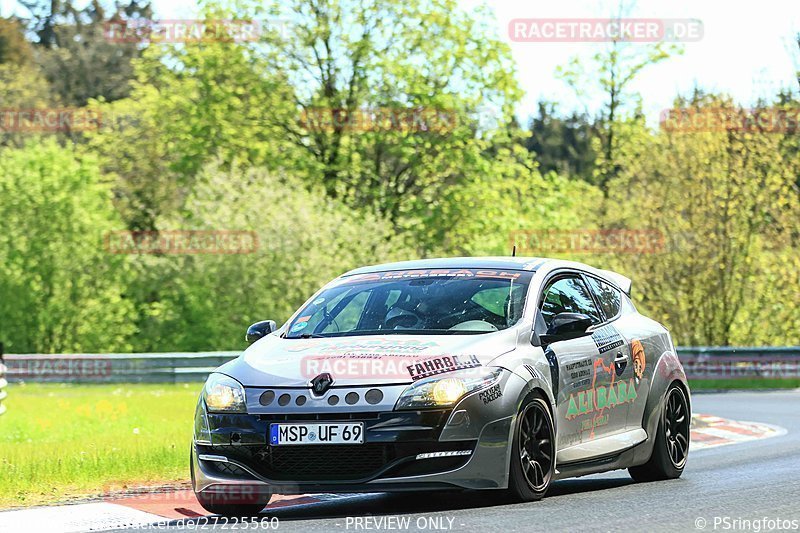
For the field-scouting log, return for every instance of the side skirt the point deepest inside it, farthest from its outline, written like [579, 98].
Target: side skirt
[609, 453]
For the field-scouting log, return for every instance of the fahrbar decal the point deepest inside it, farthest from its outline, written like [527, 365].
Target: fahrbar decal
[639, 359]
[490, 394]
[440, 365]
[607, 338]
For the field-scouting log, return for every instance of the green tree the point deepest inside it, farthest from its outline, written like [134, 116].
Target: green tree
[563, 144]
[13, 46]
[60, 291]
[413, 59]
[189, 105]
[728, 207]
[22, 86]
[251, 102]
[202, 302]
[610, 74]
[75, 53]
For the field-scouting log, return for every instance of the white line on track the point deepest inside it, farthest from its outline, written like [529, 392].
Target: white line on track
[100, 516]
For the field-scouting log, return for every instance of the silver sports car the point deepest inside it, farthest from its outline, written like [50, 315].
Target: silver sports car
[466, 373]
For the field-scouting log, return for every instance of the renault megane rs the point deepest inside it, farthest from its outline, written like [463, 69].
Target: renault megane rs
[471, 373]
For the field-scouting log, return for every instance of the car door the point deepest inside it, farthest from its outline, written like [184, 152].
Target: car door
[627, 399]
[582, 367]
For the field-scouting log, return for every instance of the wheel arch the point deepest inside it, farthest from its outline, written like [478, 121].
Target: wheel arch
[667, 372]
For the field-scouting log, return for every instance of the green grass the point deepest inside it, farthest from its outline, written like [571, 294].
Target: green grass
[62, 440]
[744, 383]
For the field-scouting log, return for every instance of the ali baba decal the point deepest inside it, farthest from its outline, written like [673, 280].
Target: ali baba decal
[599, 398]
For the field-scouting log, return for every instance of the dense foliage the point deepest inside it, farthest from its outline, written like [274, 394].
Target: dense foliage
[355, 133]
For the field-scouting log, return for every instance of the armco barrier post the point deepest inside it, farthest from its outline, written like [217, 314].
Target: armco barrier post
[3, 381]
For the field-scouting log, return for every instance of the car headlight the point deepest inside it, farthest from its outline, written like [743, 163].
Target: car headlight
[443, 391]
[224, 394]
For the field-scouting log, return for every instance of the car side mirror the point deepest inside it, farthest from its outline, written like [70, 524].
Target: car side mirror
[566, 326]
[260, 329]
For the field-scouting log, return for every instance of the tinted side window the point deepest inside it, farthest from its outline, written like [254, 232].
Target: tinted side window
[607, 295]
[568, 295]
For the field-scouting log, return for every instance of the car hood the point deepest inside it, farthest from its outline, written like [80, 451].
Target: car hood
[364, 360]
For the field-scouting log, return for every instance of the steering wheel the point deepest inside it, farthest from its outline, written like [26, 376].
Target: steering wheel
[398, 318]
[470, 315]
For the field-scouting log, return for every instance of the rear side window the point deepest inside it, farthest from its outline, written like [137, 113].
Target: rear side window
[568, 295]
[608, 296]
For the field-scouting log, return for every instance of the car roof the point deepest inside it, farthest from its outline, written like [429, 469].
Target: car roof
[503, 263]
[494, 263]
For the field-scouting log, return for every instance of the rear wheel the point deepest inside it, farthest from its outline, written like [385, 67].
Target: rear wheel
[671, 448]
[532, 451]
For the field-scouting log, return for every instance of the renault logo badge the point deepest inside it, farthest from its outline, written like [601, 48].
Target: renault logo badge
[321, 384]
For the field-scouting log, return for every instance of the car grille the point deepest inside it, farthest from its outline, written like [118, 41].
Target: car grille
[310, 462]
[321, 463]
[228, 469]
[330, 462]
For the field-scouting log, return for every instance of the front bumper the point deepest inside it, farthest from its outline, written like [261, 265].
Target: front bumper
[232, 449]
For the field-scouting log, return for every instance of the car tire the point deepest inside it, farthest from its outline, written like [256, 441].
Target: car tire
[671, 448]
[532, 451]
[220, 504]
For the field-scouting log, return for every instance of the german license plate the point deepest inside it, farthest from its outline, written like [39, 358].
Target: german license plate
[317, 433]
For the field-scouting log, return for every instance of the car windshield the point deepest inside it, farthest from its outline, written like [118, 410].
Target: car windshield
[434, 302]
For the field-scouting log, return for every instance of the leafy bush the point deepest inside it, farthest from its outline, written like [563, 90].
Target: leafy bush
[60, 291]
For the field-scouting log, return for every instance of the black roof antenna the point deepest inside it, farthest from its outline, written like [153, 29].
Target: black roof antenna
[514, 251]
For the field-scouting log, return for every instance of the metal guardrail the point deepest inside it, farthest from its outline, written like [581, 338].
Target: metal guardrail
[699, 363]
[740, 363]
[3, 382]
[115, 368]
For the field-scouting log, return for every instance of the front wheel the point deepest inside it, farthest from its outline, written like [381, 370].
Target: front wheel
[533, 451]
[671, 448]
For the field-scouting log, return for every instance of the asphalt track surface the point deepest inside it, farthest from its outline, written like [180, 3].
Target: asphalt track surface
[721, 489]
